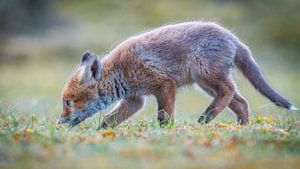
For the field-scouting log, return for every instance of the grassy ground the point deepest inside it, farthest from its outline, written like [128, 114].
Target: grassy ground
[32, 142]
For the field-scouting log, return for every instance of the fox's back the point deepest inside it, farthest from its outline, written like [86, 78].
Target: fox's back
[181, 49]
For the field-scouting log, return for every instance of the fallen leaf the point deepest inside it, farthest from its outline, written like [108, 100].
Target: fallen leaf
[28, 132]
[108, 133]
[16, 135]
[222, 125]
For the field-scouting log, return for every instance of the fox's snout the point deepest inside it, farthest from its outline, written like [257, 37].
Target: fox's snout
[62, 120]
[72, 122]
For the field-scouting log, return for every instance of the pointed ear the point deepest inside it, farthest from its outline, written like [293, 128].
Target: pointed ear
[86, 56]
[90, 69]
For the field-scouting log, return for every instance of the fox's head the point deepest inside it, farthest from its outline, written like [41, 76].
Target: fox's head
[80, 95]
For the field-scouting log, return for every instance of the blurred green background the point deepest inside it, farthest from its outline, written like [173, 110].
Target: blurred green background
[41, 42]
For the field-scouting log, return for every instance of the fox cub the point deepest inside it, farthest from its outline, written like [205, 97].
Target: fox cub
[157, 63]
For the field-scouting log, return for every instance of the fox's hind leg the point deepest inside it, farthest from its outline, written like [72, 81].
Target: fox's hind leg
[240, 107]
[125, 109]
[223, 91]
[238, 104]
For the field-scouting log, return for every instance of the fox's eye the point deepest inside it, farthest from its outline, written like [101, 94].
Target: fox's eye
[68, 103]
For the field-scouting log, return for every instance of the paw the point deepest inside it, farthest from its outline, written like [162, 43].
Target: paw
[163, 122]
[204, 119]
[104, 125]
[243, 122]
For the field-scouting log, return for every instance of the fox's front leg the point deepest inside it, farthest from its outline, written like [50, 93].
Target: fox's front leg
[126, 108]
[165, 97]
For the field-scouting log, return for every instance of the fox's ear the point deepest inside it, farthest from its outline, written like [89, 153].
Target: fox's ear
[90, 68]
[86, 56]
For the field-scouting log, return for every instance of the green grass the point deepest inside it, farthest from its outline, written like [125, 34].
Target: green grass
[32, 142]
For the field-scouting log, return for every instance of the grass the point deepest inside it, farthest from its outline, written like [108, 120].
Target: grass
[33, 142]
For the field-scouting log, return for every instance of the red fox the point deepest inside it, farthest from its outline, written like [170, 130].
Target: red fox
[157, 63]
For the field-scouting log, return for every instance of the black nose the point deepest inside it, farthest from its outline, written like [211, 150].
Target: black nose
[59, 121]
[62, 120]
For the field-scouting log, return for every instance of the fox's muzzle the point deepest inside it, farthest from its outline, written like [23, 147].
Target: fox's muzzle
[62, 120]
[75, 121]
[72, 121]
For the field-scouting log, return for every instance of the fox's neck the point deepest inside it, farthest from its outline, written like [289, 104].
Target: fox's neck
[112, 88]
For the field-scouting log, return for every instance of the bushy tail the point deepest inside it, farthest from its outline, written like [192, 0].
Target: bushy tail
[246, 64]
